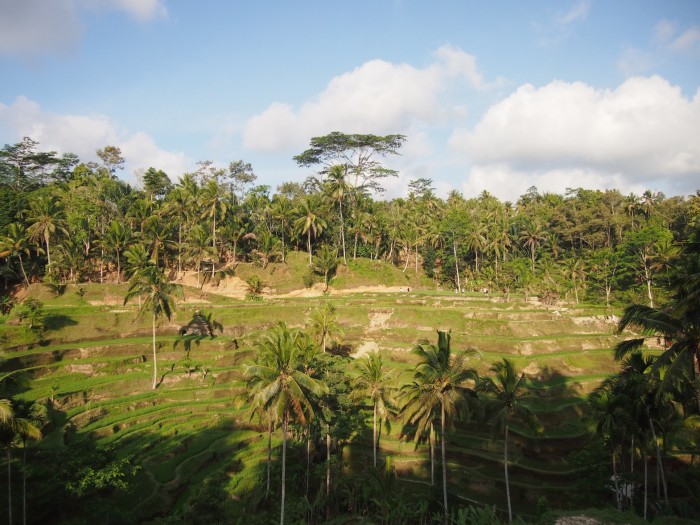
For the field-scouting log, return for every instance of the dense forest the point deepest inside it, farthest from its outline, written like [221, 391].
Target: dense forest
[68, 221]
[64, 222]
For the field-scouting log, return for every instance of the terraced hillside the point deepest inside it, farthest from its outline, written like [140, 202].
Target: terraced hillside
[94, 373]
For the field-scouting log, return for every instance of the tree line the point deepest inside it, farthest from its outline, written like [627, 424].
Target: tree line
[63, 220]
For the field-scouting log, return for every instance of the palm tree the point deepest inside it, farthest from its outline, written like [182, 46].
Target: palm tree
[532, 238]
[325, 262]
[179, 205]
[117, 238]
[611, 420]
[444, 384]
[337, 189]
[505, 391]
[29, 416]
[46, 217]
[375, 383]
[678, 326]
[15, 243]
[199, 247]
[278, 382]
[214, 205]
[324, 324]
[151, 283]
[310, 223]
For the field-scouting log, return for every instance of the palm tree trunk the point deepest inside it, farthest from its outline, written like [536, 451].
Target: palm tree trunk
[284, 465]
[505, 467]
[21, 265]
[9, 484]
[658, 455]
[374, 434]
[24, 482]
[155, 365]
[444, 463]
[179, 250]
[328, 460]
[308, 456]
[269, 456]
[618, 498]
[431, 442]
[646, 479]
[342, 231]
[454, 250]
[119, 266]
[308, 243]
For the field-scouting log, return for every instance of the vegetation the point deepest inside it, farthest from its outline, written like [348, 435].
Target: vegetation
[521, 391]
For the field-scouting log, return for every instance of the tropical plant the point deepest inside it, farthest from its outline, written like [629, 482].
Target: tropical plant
[151, 284]
[278, 382]
[324, 324]
[325, 262]
[442, 384]
[375, 383]
[505, 391]
[15, 243]
[310, 223]
[46, 216]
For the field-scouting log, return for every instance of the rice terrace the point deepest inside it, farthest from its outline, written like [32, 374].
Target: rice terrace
[205, 352]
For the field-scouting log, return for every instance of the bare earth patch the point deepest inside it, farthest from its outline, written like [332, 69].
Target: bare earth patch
[366, 347]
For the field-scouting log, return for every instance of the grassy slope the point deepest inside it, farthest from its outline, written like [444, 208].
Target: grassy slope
[97, 368]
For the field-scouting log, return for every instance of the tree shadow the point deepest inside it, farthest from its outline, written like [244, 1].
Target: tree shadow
[58, 321]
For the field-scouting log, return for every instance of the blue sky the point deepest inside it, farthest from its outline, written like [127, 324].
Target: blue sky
[495, 96]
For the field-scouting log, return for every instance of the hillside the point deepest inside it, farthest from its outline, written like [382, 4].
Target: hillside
[93, 373]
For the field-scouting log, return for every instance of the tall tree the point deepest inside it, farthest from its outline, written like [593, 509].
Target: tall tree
[505, 390]
[310, 223]
[337, 188]
[151, 284]
[376, 383]
[446, 383]
[15, 243]
[46, 216]
[357, 152]
[278, 382]
[324, 324]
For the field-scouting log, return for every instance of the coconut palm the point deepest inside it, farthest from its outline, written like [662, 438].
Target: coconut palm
[442, 387]
[46, 216]
[375, 383]
[179, 205]
[678, 326]
[611, 418]
[324, 324]
[214, 204]
[310, 223]
[117, 238]
[15, 243]
[325, 262]
[505, 391]
[30, 417]
[151, 284]
[278, 382]
[338, 188]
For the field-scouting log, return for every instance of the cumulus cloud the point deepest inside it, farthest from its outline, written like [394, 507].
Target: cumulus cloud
[82, 135]
[32, 27]
[377, 97]
[642, 133]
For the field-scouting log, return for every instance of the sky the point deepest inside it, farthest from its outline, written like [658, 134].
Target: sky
[494, 96]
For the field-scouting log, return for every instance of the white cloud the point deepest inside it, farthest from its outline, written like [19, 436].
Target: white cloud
[29, 27]
[687, 40]
[642, 133]
[578, 12]
[142, 10]
[82, 135]
[32, 27]
[377, 97]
